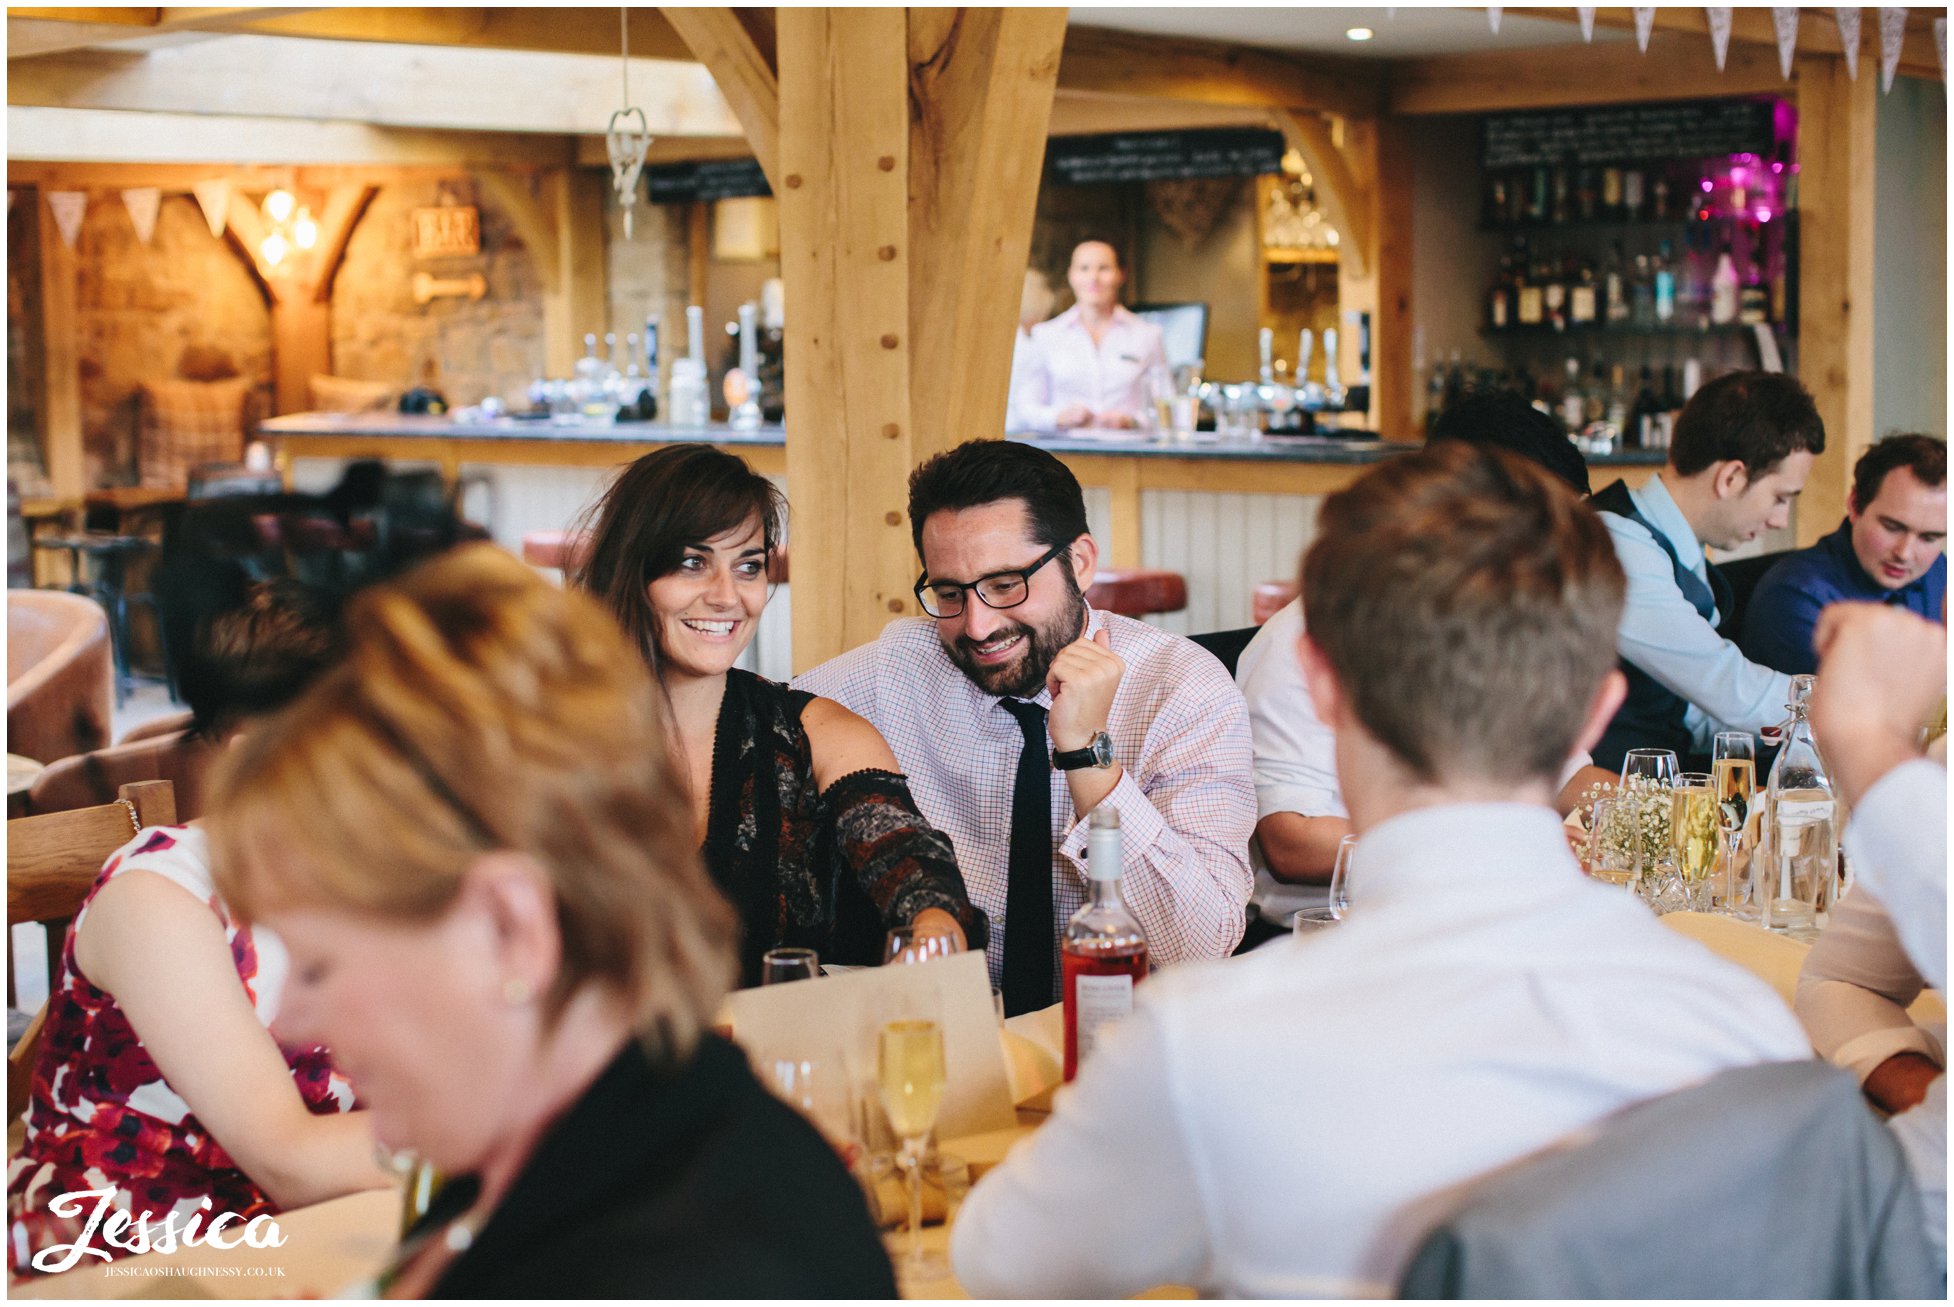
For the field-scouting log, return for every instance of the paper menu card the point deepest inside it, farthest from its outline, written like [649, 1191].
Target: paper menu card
[837, 1017]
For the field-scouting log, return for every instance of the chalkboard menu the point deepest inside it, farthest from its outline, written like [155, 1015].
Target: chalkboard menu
[1627, 133]
[712, 179]
[1163, 156]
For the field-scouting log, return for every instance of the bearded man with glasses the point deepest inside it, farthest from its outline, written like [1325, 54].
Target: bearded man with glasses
[1018, 710]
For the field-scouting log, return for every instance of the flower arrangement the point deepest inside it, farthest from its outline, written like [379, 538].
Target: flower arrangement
[1644, 810]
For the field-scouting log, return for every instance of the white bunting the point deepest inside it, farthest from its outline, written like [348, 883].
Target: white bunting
[143, 202]
[1892, 35]
[1644, 24]
[1719, 34]
[1586, 15]
[68, 208]
[1492, 17]
[214, 198]
[1940, 45]
[1786, 21]
[1848, 21]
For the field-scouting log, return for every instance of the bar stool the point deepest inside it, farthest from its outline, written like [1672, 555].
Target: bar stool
[1137, 591]
[1271, 597]
[109, 554]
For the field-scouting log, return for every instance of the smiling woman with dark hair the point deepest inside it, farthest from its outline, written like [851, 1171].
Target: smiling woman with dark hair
[797, 804]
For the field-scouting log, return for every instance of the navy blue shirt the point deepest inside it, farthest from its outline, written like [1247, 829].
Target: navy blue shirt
[1784, 609]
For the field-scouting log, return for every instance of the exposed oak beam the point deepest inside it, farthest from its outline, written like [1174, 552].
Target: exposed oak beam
[1127, 63]
[108, 136]
[1677, 66]
[750, 84]
[1817, 32]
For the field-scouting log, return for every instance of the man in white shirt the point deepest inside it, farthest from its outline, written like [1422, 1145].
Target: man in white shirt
[1016, 709]
[1090, 363]
[1882, 671]
[1290, 1123]
[1742, 448]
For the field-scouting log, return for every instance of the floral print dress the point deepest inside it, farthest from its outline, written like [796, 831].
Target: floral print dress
[101, 1115]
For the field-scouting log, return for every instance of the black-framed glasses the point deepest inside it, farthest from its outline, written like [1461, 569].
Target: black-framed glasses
[998, 590]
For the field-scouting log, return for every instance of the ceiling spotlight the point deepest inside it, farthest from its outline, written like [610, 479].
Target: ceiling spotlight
[1360, 34]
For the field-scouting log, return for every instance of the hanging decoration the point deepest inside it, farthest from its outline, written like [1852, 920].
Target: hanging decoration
[1644, 24]
[68, 207]
[1719, 33]
[1785, 19]
[1586, 15]
[629, 135]
[1492, 17]
[1940, 45]
[1848, 21]
[214, 198]
[143, 203]
[1892, 36]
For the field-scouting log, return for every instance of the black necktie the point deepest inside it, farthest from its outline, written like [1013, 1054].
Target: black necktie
[1028, 899]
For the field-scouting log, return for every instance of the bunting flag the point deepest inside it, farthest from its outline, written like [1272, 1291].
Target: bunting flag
[1892, 35]
[1644, 24]
[1492, 17]
[143, 203]
[68, 207]
[1719, 34]
[214, 198]
[1940, 45]
[1848, 21]
[1786, 20]
[1587, 22]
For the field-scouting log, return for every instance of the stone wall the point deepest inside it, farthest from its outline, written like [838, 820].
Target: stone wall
[650, 273]
[466, 349]
[182, 305]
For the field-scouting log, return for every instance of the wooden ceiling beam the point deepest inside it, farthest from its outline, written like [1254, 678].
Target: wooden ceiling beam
[1131, 64]
[1678, 66]
[746, 78]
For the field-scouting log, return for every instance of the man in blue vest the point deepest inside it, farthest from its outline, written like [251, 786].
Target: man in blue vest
[1742, 448]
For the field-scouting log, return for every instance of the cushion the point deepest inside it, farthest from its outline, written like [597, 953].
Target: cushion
[185, 423]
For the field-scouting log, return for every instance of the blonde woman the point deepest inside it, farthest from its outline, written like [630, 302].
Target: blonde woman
[473, 841]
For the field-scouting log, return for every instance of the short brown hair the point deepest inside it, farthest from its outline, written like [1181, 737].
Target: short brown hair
[1920, 454]
[480, 708]
[1467, 602]
[1758, 419]
[672, 497]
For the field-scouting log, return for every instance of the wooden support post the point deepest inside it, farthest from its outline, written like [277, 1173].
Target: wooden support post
[744, 73]
[911, 143]
[60, 406]
[1836, 149]
[1393, 385]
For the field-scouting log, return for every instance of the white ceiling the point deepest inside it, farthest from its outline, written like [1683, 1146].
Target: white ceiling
[1412, 31]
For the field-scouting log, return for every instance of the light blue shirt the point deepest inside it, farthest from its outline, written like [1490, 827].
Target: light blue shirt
[1662, 634]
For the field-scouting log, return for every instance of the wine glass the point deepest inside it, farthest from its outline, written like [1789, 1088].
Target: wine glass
[911, 1074]
[819, 1090]
[1659, 765]
[779, 965]
[1340, 877]
[913, 943]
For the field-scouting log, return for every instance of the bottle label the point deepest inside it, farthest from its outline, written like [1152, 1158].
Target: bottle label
[1582, 307]
[1102, 1000]
[1531, 306]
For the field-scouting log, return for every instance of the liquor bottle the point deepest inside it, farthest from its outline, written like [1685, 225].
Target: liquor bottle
[630, 383]
[1614, 287]
[1560, 196]
[1665, 287]
[1529, 301]
[1659, 196]
[1632, 195]
[1754, 300]
[1583, 305]
[1798, 877]
[648, 401]
[1611, 193]
[1537, 197]
[1499, 309]
[1553, 294]
[1641, 430]
[1497, 200]
[688, 402]
[1641, 294]
[1586, 195]
[1594, 408]
[1104, 952]
[1573, 404]
[746, 414]
[1723, 288]
[1616, 414]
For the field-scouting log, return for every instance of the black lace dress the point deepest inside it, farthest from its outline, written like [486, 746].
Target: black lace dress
[831, 871]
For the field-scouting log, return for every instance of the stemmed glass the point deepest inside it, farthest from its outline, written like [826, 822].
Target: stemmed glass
[912, 943]
[1340, 877]
[815, 1087]
[911, 1075]
[779, 965]
[1659, 765]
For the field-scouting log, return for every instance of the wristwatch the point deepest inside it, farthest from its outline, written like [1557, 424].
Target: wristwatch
[1099, 753]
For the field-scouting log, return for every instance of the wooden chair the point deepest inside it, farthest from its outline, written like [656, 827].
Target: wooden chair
[1137, 591]
[52, 862]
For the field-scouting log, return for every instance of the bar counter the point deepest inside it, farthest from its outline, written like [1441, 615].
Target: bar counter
[1225, 514]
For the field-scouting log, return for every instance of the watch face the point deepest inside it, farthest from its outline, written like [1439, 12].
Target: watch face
[1102, 750]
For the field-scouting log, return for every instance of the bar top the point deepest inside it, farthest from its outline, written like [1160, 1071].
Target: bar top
[1351, 449]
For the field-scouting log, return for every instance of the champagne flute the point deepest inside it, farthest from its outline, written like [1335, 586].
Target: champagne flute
[779, 965]
[1694, 826]
[1340, 877]
[911, 944]
[1659, 765]
[1733, 771]
[911, 1075]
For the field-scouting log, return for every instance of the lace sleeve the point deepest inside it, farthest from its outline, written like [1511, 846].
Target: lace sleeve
[903, 864]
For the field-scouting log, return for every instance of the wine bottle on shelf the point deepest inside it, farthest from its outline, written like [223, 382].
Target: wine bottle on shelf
[1723, 288]
[1573, 403]
[1582, 298]
[1632, 195]
[1614, 287]
[1754, 300]
[1641, 294]
[1611, 194]
[1529, 301]
[1659, 198]
[1642, 416]
[1616, 414]
[1537, 197]
[1553, 294]
[1586, 195]
[1559, 212]
[1104, 952]
[1498, 305]
[1665, 286]
[1497, 200]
